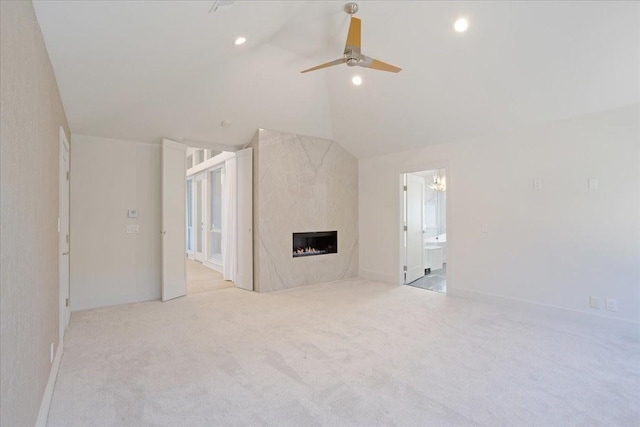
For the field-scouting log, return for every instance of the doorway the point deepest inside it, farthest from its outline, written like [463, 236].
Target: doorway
[425, 229]
[63, 234]
[205, 181]
[221, 208]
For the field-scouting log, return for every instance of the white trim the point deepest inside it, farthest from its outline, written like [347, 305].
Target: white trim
[43, 414]
[552, 311]
[377, 276]
[210, 163]
[212, 265]
[210, 145]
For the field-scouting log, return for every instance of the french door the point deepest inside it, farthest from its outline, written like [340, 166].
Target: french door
[199, 216]
[215, 184]
[190, 228]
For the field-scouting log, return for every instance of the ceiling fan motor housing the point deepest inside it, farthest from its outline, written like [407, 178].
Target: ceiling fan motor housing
[351, 8]
[352, 60]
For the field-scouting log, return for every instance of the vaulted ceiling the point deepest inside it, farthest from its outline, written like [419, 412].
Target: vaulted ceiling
[143, 70]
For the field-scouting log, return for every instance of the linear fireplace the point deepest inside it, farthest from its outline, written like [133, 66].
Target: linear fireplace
[316, 243]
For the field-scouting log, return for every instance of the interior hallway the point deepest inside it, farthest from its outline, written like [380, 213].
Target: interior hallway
[202, 279]
[345, 353]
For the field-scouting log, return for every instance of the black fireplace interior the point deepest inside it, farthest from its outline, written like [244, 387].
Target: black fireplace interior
[316, 243]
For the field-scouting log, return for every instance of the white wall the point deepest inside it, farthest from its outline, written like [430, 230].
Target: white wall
[554, 246]
[108, 266]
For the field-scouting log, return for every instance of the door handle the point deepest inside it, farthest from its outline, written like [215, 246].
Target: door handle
[65, 253]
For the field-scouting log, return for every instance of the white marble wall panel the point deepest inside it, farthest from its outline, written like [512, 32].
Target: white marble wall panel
[303, 184]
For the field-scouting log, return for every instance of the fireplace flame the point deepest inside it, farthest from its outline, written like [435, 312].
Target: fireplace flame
[308, 251]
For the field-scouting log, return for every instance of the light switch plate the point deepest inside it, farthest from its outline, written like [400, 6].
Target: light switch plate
[593, 184]
[594, 302]
[132, 213]
[133, 228]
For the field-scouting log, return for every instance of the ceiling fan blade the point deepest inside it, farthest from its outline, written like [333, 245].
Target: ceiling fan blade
[367, 62]
[353, 38]
[325, 65]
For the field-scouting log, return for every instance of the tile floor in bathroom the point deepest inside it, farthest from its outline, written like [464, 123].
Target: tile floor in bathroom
[434, 281]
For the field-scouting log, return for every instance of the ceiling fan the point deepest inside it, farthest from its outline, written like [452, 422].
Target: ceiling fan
[352, 55]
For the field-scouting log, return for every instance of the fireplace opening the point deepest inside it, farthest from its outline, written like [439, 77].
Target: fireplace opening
[316, 243]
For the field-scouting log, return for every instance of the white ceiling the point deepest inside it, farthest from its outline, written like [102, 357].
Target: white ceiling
[143, 70]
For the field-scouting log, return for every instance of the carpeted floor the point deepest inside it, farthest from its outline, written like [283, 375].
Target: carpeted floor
[201, 278]
[347, 353]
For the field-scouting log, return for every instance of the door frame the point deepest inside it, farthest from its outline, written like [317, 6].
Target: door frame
[451, 226]
[64, 284]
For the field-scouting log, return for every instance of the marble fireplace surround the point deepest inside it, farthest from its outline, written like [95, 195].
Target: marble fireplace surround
[302, 184]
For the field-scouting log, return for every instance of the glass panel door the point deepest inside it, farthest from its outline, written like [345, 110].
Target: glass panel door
[190, 216]
[214, 252]
[199, 255]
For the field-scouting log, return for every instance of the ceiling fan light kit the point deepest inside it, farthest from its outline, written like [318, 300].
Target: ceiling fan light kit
[352, 53]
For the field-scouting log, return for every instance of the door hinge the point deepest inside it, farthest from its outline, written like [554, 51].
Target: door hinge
[404, 188]
[66, 302]
[67, 238]
[405, 228]
[67, 175]
[404, 268]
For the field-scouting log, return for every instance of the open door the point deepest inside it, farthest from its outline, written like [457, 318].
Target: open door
[174, 269]
[244, 277]
[414, 228]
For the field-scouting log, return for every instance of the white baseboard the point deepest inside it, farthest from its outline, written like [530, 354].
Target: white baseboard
[552, 311]
[43, 414]
[374, 275]
[212, 266]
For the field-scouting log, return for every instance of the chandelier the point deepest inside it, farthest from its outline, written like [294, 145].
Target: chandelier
[439, 182]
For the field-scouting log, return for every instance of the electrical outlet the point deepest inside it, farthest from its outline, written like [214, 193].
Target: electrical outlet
[594, 302]
[484, 228]
[133, 228]
[612, 305]
[537, 184]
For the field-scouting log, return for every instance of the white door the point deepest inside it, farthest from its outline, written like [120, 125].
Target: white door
[174, 272]
[63, 237]
[414, 220]
[199, 212]
[244, 278]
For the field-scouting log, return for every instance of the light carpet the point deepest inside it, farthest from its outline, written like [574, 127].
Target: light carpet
[346, 353]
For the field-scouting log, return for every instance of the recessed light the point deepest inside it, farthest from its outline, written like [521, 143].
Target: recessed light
[461, 25]
[240, 40]
[356, 80]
